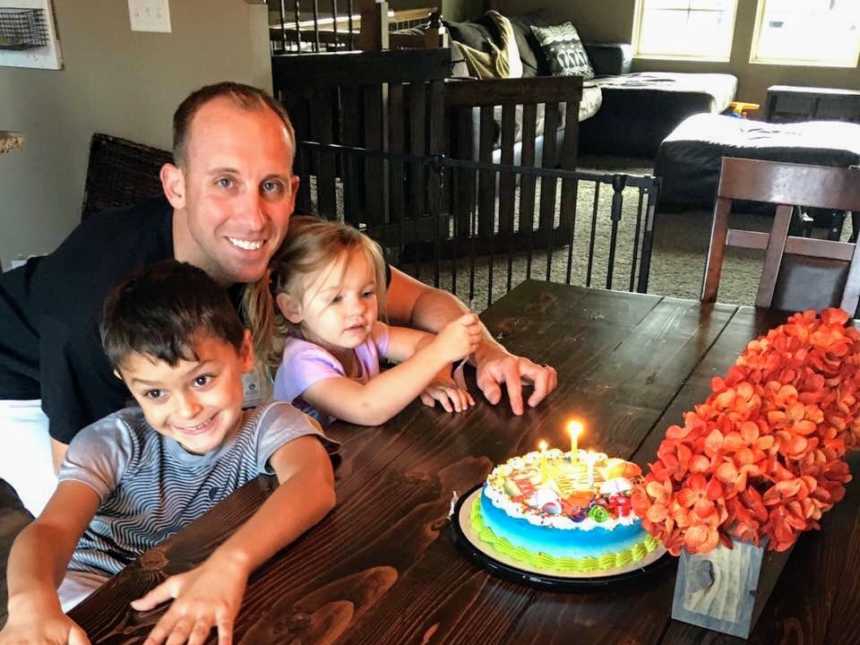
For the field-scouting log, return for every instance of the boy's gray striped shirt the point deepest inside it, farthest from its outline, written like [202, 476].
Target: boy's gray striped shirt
[150, 487]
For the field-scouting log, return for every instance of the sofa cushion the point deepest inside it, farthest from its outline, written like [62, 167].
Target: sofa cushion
[472, 34]
[688, 160]
[530, 49]
[564, 50]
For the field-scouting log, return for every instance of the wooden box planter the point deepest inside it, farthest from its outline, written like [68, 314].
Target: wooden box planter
[725, 590]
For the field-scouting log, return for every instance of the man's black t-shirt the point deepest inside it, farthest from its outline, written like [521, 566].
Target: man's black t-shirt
[50, 310]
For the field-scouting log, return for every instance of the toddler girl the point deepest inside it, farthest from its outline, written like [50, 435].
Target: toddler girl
[329, 282]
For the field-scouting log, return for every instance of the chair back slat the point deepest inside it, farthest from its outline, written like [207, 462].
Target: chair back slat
[790, 183]
[507, 180]
[798, 272]
[527, 159]
[773, 255]
[486, 178]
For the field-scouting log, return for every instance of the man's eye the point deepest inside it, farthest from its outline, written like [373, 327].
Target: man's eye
[154, 394]
[224, 182]
[203, 379]
[273, 187]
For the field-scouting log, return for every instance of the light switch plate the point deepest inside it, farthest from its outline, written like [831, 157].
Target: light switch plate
[149, 15]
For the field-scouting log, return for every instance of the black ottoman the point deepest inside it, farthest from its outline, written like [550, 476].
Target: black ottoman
[688, 160]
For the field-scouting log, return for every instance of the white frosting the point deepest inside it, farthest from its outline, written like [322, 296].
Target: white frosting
[617, 485]
[544, 495]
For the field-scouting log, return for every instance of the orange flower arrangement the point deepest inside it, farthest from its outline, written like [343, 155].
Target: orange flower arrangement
[764, 455]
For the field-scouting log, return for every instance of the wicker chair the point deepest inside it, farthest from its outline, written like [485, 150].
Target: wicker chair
[121, 173]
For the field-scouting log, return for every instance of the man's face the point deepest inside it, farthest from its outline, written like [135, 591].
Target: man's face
[198, 403]
[235, 193]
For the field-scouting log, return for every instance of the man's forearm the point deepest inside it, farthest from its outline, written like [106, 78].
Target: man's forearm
[436, 308]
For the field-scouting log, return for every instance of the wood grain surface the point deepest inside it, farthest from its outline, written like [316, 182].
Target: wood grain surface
[383, 567]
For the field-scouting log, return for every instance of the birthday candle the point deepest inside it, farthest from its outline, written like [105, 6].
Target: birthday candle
[575, 429]
[542, 445]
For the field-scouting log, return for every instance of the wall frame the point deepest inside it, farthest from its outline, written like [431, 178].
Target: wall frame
[28, 35]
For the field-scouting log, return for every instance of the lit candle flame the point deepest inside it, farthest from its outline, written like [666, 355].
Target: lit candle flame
[575, 429]
[542, 445]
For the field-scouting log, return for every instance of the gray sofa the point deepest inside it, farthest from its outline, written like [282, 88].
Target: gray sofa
[621, 113]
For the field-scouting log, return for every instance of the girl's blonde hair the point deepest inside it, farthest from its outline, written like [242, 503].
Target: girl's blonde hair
[311, 245]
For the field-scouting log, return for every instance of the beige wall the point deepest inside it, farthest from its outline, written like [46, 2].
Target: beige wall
[612, 21]
[116, 81]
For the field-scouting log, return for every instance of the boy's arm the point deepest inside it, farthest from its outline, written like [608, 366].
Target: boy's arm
[37, 565]
[386, 394]
[211, 594]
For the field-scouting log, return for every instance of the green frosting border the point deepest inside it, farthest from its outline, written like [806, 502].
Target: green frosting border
[540, 560]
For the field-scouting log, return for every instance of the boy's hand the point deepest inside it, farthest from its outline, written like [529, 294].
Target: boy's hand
[448, 393]
[207, 596]
[459, 338]
[55, 627]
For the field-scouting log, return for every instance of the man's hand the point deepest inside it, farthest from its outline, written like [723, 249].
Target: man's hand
[501, 367]
[207, 596]
[53, 627]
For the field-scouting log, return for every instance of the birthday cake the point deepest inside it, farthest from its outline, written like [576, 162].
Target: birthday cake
[563, 512]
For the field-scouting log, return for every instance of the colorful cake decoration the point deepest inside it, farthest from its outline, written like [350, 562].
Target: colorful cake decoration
[563, 511]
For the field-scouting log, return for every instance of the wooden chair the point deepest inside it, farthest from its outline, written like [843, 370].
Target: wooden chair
[534, 99]
[799, 272]
[390, 101]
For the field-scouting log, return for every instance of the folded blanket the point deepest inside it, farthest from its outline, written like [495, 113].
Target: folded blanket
[502, 61]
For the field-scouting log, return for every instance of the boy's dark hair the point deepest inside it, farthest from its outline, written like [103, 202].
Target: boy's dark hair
[160, 311]
[243, 96]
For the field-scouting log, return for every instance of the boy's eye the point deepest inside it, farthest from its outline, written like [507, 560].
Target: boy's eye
[154, 394]
[368, 294]
[203, 379]
[337, 298]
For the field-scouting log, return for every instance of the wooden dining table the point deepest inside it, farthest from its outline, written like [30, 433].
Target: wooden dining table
[384, 567]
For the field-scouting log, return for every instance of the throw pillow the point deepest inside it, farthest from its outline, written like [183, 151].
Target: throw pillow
[564, 50]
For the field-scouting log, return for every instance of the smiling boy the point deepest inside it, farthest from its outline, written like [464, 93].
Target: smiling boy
[139, 475]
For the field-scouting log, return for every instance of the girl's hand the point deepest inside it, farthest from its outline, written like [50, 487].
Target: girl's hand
[52, 628]
[451, 397]
[459, 338]
[207, 596]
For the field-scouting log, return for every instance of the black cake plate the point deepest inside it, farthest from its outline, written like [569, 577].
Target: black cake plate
[504, 567]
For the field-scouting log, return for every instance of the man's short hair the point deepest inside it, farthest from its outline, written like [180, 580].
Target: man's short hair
[162, 310]
[243, 96]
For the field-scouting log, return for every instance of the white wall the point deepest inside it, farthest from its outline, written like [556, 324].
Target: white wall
[115, 81]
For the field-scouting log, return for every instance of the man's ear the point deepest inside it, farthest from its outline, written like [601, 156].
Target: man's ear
[290, 308]
[246, 352]
[173, 185]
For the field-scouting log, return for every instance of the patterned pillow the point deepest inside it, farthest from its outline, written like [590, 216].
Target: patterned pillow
[563, 50]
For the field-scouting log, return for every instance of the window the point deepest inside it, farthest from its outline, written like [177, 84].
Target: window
[807, 32]
[693, 29]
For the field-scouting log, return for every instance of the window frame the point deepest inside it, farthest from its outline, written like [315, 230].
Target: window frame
[638, 20]
[755, 59]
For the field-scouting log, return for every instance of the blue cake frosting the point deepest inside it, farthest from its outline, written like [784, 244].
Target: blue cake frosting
[573, 542]
[568, 511]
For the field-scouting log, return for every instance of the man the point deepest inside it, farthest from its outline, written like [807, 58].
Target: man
[229, 198]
